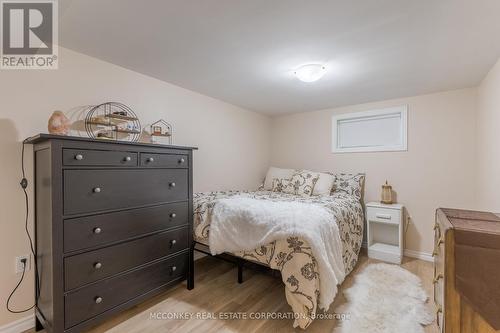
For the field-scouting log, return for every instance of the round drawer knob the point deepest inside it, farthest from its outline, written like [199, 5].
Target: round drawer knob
[182, 160]
[79, 157]
[97, 190]
[173, 242]
[173, 215]
[97, 265]
[150, 159]
[97, 230]
[172, 184]
[98, 300]
[174, 268]
[127, 159]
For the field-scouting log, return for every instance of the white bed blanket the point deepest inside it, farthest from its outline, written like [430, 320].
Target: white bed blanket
[242, 224]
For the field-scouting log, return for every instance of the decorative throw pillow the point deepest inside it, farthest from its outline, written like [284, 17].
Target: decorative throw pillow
[349, 183]
[324, 184]
[276, 173]
[301, 183]
[278, 184]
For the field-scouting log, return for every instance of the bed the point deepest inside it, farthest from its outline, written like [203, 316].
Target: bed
[293, 256]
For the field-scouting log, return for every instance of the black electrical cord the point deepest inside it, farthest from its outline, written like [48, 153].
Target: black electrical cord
[15, 289]
[24, 185]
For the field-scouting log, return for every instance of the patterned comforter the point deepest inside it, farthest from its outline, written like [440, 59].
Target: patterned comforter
[292, 256]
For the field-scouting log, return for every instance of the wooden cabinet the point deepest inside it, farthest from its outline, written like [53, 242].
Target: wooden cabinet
[466, 268]
[113, 227]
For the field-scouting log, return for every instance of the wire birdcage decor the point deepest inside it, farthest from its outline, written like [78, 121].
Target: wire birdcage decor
[161, 129]
[113, 121]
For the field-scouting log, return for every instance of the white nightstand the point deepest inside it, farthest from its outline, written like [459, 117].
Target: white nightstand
[385, 231]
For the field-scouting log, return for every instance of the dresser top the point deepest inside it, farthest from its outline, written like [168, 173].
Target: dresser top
[45, 137]
[470, 220]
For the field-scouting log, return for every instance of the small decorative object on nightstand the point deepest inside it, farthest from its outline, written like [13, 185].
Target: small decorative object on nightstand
[385, 231]
[386, 197]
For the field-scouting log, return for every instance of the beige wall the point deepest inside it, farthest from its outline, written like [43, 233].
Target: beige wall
[488, 141]
[437, 170]
[233, 143]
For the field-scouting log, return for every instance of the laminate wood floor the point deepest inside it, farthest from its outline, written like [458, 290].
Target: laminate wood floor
[217, 292]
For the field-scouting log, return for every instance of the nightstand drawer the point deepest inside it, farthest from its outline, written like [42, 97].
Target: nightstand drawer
[384, 215]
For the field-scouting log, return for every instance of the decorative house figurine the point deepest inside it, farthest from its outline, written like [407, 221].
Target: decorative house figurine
[386, 194]
[161, 129]
[58, 123]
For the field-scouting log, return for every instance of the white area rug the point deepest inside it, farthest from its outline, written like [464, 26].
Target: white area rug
[385, 299]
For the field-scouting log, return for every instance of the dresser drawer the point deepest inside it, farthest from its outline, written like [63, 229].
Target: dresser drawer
[94, 265]
[438, 283]
[89, 231]
[439, 274]
[439, 303]
[164, 160]
[439, 255]
[439, 245]
[85, 157]
[391, 216]
[87, 191]
[87, 302]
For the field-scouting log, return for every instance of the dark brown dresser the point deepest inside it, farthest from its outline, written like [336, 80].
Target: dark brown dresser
[467, 271]
[113, 226]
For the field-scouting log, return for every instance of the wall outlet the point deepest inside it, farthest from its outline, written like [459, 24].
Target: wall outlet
[20, 265]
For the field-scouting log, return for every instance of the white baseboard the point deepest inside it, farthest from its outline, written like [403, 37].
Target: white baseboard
[19, 325]
[419, 255]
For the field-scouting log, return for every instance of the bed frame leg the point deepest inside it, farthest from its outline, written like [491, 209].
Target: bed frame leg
[240, 270]
[190, 277]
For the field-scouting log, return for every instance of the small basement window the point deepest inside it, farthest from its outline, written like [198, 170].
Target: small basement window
[369, 131]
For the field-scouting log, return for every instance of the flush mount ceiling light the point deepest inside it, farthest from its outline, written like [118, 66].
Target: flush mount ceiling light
[310, 73]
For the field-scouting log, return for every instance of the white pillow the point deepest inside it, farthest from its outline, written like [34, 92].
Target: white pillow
[324, 184]
[274, 173]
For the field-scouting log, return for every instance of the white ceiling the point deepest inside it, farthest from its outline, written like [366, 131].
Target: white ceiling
[243, 51]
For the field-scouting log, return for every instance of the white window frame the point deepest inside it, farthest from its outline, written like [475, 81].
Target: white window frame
[402, 111]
